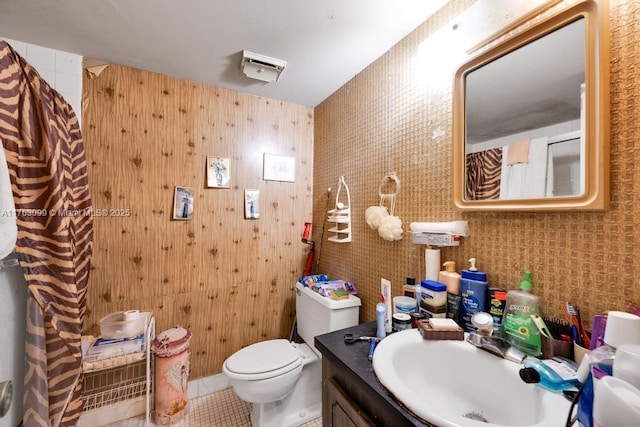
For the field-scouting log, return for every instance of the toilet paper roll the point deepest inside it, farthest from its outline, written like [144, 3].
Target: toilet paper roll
[432, 264]
[622, 328]
[132, 315]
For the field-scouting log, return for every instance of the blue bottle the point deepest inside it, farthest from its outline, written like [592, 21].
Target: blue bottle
[381, 311]
[473, 289]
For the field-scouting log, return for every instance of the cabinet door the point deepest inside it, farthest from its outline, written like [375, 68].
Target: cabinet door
[343, 411]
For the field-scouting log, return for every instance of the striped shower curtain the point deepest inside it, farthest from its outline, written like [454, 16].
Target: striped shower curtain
[483, 170]
[45, 154]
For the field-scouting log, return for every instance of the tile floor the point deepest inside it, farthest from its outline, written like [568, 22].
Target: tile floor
[219, 409]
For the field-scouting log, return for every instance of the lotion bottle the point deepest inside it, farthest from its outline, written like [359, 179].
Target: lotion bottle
[473, 287]
[519, 329]
[451, 279]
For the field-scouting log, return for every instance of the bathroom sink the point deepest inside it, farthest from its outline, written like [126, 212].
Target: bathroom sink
[453, 383]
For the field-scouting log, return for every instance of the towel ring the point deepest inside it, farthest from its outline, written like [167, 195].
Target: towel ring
[393, 177]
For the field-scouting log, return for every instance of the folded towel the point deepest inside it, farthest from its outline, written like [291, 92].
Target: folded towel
[518, 152]
[455, 228]
[8, 226]
[527, 180]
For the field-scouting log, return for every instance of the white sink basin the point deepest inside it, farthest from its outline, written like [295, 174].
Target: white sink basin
[453, 383]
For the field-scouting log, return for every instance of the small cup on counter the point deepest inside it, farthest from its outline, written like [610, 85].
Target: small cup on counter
[552, 347]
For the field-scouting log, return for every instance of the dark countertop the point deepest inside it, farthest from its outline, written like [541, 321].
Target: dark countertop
[352, 358]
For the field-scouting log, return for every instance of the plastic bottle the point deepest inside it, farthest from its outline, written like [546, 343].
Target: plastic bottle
[381, 311]
[409, 289]
[418, 292]
[555, 374]
[473, 288]
[519, 329]
[496, 301]
[452, 280]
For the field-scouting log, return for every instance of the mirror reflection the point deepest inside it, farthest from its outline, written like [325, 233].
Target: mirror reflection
[525, 120]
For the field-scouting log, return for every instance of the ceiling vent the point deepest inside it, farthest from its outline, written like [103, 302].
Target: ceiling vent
[261, 67]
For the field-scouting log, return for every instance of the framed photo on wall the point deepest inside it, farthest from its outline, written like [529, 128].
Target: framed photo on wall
[218, 172]
[252, 204]
[279, 168]
[183, 203]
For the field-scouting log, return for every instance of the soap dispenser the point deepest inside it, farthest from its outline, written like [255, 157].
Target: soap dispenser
[519, 328]
[451, 279]
[473, 289]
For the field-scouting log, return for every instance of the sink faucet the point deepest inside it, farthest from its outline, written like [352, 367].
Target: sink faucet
[497, 346]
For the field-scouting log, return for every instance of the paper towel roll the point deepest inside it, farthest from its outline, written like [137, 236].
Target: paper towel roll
[132, 315]
[432, 263]
[616, 403]
[622, 328]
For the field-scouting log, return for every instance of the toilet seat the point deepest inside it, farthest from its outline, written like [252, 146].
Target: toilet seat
[263, 360]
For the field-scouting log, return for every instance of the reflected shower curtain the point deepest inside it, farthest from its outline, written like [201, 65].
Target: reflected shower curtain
[483, 171]
[45, 154]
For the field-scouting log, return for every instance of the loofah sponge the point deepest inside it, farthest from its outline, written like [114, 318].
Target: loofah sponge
[374, 214]
[390, 228]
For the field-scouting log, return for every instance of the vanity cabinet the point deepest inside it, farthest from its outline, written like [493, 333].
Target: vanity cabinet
[341, 410]
[351, 394]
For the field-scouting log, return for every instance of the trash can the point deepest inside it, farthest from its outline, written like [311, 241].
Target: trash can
[171, 374]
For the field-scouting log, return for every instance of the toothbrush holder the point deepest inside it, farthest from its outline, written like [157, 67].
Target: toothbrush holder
[552, 347]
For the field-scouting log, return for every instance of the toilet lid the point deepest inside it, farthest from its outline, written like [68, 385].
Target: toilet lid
[277, 356]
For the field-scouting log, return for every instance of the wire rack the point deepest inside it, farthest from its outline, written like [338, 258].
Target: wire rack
[130, 380]
[113, 385]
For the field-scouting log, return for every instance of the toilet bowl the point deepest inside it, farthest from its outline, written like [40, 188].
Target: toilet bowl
[281, 379]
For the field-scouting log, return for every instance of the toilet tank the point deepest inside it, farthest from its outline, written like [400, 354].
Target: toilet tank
[317, 315]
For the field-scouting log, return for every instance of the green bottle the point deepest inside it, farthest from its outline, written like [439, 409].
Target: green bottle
[519, 329]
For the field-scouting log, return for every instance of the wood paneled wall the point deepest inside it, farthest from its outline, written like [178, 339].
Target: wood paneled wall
[395, 117]
[228, 279]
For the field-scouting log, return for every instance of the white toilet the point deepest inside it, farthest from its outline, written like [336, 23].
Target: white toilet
[282, 379]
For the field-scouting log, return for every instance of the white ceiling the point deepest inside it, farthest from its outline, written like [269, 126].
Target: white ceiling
[325, 42]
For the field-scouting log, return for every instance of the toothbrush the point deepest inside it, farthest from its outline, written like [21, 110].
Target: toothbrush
[585, 337]
[572, 323]
[574, 319]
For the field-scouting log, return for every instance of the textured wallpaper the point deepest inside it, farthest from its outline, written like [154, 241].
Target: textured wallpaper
[227, 278]
[396, 116]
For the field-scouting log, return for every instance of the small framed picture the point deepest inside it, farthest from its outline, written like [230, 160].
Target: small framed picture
[218, 172]
[251, 204]
[279, 168]
[183, 203]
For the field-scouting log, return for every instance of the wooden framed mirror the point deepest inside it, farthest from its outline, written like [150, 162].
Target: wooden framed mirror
[531, 117]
